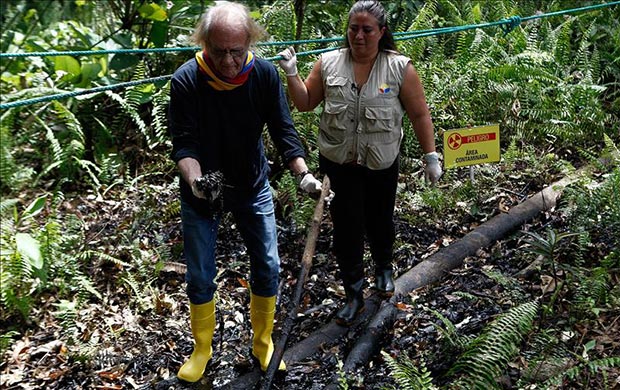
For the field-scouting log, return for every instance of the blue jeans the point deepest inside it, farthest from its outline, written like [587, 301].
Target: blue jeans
[255, 219]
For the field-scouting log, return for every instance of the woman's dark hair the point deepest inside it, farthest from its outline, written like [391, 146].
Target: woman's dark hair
[375, 9]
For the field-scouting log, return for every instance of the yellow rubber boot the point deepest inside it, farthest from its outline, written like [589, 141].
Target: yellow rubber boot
[202, 319]
[262, 311]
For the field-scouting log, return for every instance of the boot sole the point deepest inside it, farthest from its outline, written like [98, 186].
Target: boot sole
[342, 322]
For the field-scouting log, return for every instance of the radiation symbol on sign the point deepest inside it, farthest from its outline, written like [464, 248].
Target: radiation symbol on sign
[455, 141]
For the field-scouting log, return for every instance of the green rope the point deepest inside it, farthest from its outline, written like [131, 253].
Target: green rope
[305, 53]
[58, 96]
[96, 52]
[507, 25]
[301, 42]
[512, 23]
[572, 10]
[154, 50]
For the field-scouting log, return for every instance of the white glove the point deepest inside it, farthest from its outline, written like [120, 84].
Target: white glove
[289, 61]
[432, 170]
[310, 184]
[197, 193]
[330, 197]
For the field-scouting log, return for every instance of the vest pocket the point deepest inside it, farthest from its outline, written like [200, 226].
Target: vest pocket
[381, 156]
[335, 87]
[378, 119]
[335, 115]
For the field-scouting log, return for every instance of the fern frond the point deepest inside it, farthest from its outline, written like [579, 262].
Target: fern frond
[70, 121]
[414, 48]
[92, 171]
[409, 376]
[132, 112]
[134, 96]
[58, 154]
[490, 353]
[581, 59]
[612, 151]
[172, 210]
[15, 278]
[161, 99]
[88, 254]
[533, 36]
[592, 292]
[67, 314]
[7, 163]
[7, 204]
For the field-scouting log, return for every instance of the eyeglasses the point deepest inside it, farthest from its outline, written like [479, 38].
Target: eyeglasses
[221, 53]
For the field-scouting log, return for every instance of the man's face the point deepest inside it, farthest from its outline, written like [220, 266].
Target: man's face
[227, 48]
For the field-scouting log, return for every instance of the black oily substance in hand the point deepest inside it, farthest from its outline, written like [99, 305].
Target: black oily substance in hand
[211, 185]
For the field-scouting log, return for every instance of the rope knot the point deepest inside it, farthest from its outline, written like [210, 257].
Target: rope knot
[510, 24]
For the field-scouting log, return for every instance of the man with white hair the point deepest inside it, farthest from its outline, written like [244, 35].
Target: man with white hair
[220, 101]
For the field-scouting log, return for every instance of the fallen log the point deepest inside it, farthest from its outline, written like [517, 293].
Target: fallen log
[426, 272]
[440, 263]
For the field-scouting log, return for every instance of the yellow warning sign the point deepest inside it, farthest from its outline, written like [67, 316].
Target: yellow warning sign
[470, 146]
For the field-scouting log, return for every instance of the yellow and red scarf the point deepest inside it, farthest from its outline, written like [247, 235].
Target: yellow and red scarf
[216, 80]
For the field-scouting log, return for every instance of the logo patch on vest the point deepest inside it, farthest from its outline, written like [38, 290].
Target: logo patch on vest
[384, 88]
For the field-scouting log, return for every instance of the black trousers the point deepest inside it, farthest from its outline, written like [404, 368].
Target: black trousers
[363, 206]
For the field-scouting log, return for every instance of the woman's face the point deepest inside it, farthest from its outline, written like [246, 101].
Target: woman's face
[364, 33]
[228, 48]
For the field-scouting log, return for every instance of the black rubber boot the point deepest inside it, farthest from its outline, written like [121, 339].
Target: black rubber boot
[384, 282]
[354, 305]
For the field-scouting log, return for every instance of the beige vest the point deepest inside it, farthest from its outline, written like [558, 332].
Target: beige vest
[364, 128]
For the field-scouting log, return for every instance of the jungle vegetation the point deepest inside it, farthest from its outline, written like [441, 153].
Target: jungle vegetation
[552, 84]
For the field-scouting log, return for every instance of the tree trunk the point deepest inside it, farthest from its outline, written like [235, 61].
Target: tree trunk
[300, 6]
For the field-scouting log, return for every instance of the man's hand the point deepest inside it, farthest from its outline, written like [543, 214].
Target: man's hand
[197, 193]
[309, 183]
[289, 61]
[432, 170]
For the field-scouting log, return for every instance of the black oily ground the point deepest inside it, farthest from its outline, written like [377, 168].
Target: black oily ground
[415, 332]
[317, 371]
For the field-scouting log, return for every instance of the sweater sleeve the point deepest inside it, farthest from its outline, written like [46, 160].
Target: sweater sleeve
[182, 115]
[279, 122]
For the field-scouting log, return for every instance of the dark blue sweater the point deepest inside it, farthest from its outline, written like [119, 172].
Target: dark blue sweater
[223, 129]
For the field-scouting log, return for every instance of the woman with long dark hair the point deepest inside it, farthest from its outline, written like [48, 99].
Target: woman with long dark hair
[366, 88]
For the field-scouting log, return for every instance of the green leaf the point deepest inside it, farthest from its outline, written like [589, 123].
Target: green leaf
[159, 34]
[589, 345]
[29, 248]
[153, 11]
[103, 63]
[90, 72]
[68, 65]
[123, 39]
[35, 207]
[123, 61]
[477, 13]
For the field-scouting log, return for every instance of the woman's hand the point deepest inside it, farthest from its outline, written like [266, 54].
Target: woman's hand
[432, 170]
[289, 61]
